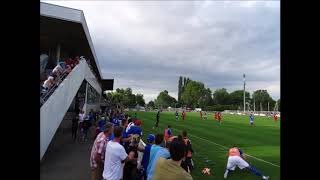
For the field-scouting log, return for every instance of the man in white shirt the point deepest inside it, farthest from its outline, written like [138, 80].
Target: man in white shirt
[58, 71]
[115, 157]
[48, 83]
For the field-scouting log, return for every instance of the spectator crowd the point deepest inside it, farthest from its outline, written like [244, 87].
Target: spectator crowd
[58, 73]
[114, 153]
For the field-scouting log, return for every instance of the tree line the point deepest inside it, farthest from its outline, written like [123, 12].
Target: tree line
[125, 98]
[194, 94]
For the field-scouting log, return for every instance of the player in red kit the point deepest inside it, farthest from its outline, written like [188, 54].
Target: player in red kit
[219, 117]
[201, 115]
[215, 116]
[275, 117]
[183, 115]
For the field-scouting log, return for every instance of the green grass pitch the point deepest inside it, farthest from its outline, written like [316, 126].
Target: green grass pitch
[209, 141]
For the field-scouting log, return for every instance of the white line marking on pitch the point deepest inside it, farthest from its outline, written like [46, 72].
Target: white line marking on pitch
[227, 148]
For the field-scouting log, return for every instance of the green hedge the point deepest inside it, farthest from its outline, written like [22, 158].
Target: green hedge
[220, 107]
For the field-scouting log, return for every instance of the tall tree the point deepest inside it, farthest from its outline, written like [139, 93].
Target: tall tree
[140, 100]
[236, 98]
[205, 99]
[278, 104]
[221, 96]
[124, 97]
[164, 100]
[188, 80]
[184, 81]
[151, 104]
[262, 97]
[179, 89]
[194, 93]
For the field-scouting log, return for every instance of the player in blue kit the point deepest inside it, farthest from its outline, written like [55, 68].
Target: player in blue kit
[251, 118]
[177, 115]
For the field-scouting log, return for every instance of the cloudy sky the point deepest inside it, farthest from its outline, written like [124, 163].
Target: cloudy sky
[148, 45]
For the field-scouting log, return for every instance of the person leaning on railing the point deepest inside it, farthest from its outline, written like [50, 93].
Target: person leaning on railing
[58, 71]
[48, 84]
[68, 69]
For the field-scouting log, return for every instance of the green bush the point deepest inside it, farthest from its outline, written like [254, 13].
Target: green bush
[220, 107]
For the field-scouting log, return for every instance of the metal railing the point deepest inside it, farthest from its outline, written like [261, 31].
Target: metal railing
[45, 96]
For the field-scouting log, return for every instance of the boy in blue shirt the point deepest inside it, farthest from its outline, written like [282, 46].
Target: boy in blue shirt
[136, 128]
[146, 154]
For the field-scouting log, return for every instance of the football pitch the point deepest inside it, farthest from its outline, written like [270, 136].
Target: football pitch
[211, 142]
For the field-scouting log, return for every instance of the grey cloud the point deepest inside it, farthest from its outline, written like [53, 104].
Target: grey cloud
[147, 45]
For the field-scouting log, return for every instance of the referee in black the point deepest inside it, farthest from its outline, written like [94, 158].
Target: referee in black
[157, 121]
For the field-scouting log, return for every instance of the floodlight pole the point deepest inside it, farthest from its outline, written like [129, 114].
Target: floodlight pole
[244, 93]
[254, 104]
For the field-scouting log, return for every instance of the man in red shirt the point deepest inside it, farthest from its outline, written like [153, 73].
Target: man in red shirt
[98, 151]
[215, 116]
[201, 115]
[183, 115]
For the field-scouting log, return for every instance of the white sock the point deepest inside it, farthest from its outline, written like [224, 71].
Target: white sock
[226, 173]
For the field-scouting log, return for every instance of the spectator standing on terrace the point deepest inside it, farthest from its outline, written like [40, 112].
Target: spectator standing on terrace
[48, 83]
[125, 137]
[170, 168]
[77, 60]
[130, 124]
[136, 128]
[62, 64]
[146, 155]
[98, 152]
[162, 153]
[90, 118]
[115, 156]
[74, 128]
[68, 69]
[68, 61]
[58, 71]
[187, 164]
[101, 123]
[115, 121]
[154, 149]
[81, 119]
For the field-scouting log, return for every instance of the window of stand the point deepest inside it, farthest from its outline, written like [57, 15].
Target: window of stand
[93, 96]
